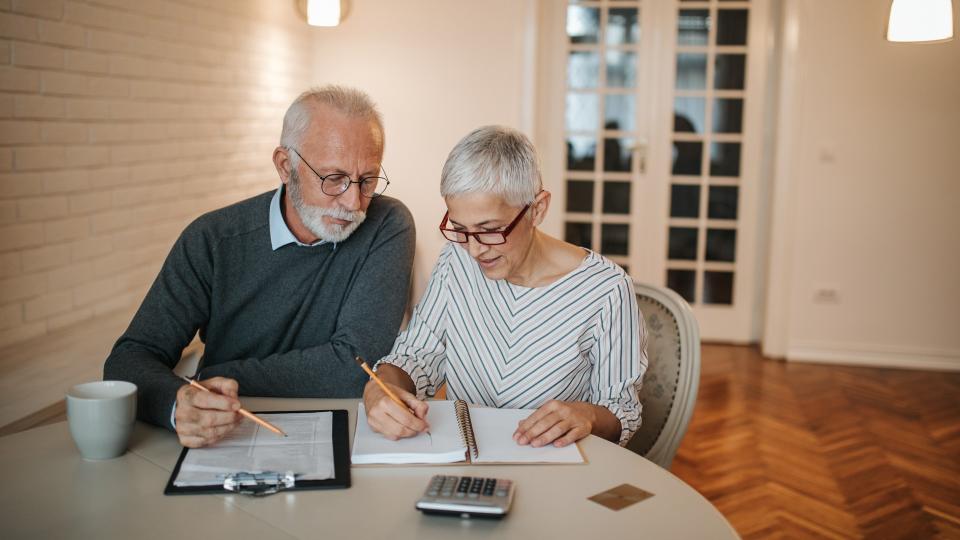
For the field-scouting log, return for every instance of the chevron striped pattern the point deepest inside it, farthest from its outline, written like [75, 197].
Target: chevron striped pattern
[502, 345]
[788, 450]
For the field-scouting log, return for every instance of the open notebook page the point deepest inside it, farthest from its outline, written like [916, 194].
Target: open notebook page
[443, 445]
[306, 451]
[494, 432]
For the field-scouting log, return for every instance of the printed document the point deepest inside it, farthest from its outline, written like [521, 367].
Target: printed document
[307, 451]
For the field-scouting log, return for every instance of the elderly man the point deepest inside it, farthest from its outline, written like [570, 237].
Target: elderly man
[285, 288]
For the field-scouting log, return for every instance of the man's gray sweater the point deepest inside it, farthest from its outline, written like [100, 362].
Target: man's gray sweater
[282, 323]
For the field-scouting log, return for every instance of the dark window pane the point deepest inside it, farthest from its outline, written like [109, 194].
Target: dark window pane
[613, 238]
[583, 24]
[683, 243]
[583, 111]
[579, 234]
[684, 201]
[621, 69]
[730, 70]
[687, 157]
[728, 115]
[721, 244]
[583, 69]
[683, 282]
[723, 202]
[693, 26]
[619, 112]
[617, 154]
[616, 197]
[579, 196]
[732, 27]
[718, 288]
[725, 159]
[581, 153]
[691, 71]
[688, 114]
[622, 26]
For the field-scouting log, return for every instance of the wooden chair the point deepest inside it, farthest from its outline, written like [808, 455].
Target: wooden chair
[669, 389]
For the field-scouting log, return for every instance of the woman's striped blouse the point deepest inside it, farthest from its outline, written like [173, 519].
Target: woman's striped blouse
[580, 338]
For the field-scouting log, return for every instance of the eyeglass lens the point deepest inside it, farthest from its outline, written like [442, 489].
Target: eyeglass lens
[336, 184]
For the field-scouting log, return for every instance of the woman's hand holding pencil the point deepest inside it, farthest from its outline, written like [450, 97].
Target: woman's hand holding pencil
[393, 410]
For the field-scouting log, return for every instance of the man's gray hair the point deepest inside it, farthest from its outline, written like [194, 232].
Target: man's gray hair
[493, 159]
[349, 101]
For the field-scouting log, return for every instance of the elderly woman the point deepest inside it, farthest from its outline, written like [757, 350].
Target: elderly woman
[513, 317]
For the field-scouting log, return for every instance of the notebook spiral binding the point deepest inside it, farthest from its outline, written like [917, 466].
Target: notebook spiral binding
[466, 426]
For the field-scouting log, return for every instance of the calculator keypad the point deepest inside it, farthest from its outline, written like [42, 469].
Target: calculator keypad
[467, 495]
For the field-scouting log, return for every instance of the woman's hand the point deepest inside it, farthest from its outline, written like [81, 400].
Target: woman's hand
[557, 422]
[390, 419]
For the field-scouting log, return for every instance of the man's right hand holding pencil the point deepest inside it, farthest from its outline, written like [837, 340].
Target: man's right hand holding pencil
[392, 409]
[203, 418]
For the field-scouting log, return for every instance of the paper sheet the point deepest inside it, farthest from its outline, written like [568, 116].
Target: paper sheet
[494, 430]
[443, 445]
[494, 437]
[307, 450]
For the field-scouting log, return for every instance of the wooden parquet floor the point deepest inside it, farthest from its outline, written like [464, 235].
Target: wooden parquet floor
[790, 450]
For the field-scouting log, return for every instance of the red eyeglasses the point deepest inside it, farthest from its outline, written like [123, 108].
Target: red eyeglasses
[488, 238]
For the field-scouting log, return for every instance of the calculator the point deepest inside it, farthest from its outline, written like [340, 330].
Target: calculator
[467, 496]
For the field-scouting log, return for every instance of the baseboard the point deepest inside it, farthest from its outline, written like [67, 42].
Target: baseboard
[50, 414]
[853, 355]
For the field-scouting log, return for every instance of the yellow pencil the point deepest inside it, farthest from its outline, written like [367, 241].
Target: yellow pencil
[242, 411]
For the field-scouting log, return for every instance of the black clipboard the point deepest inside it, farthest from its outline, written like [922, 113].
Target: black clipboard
[341, 462]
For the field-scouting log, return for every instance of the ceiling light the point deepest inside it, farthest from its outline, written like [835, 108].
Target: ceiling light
[920, 20]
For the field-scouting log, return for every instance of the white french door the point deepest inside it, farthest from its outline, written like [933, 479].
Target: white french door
[649, 121]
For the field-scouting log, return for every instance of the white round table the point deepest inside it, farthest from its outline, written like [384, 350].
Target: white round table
[49, 491]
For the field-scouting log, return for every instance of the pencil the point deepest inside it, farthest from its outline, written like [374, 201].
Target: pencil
[242, 411]
[394, 397]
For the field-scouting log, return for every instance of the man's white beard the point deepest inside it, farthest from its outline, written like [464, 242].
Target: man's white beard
[312, 216]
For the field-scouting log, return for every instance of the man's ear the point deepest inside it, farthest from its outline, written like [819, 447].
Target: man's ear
[540, 206]
[281, 160]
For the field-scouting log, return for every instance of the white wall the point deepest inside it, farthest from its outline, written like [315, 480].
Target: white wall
[866, 193]
[437, 70]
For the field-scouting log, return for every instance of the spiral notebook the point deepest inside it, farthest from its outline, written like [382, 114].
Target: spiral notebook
[459, 433]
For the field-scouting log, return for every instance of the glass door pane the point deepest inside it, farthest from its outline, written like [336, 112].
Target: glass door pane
[603, 45]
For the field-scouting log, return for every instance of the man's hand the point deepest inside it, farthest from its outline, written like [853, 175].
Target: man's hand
[204, 418]
[392, 420]
[557, 422]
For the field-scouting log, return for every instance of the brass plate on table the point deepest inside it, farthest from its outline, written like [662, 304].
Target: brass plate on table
[620, 497]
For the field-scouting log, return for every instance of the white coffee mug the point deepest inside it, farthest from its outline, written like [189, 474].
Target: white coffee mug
[101, 415]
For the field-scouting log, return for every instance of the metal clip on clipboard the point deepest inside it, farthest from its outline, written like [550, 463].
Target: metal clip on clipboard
[258, 484]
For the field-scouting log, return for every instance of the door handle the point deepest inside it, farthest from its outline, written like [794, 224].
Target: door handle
[639, 150]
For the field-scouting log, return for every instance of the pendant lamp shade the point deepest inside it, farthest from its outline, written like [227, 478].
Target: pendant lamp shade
[920, 20]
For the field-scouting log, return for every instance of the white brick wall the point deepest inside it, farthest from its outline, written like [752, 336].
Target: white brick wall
[121, 121]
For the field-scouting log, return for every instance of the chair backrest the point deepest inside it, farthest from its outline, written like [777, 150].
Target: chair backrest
[669, 389]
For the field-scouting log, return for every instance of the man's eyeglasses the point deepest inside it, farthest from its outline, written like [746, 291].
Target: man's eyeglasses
[491, 238]
[336, 184]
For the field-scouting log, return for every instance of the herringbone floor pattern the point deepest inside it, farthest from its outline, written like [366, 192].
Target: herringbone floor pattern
[789, 450]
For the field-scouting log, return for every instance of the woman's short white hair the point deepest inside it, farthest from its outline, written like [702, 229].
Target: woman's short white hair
[349, 101]
[493, 159]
